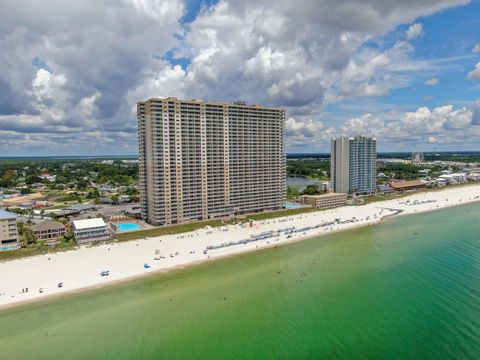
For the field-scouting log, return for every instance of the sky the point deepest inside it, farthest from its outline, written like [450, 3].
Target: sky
[406, 72]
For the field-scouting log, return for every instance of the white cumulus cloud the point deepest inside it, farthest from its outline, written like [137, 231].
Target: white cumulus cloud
[443, 124]
[475, 73]
[414, 31]
[71, 81]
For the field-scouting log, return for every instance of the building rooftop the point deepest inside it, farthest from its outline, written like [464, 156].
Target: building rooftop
[88, 223]
[81, 207]
[405, 184]
[325, 195]
[47, 224]
[7, 215]
[199, 101]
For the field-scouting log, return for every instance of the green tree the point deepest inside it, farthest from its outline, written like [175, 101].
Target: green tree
[8, 178]
[68, 236]
[53, 216]
[102, 179]
[26, 235]
[292, 192]
[310, 190]
[82, 184]
[31, 179]
[93, 194]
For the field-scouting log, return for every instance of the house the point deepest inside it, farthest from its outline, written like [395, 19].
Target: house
[122, 199]
[26, 205]
[40, 204]
[107, 188]
[404, 185]
[90, 230]
[48, 230]
[107, 201]
[473, 176]
[50, 178]
[8, 231]
[39, 186]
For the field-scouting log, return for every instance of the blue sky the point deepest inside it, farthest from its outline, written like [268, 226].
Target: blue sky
[449, 38]
[405, 72]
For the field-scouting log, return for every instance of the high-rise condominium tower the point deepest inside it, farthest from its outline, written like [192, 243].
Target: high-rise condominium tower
[201, 160]
[353, 165]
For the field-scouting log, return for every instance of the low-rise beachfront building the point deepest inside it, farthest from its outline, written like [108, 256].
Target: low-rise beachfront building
[90, 230]
[384, 188]
[474, 176]
[48, 230]
[456, 178]
[325, 201]
[8, 231]
[404, 185]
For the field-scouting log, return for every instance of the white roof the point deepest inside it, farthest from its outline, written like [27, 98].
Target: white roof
[88, 223]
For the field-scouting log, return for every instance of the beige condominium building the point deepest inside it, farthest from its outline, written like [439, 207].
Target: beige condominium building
[8, 230]
[325, 201]
[201, 160]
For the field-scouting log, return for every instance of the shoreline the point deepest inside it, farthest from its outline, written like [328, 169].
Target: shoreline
[179, 267]
[125, 259]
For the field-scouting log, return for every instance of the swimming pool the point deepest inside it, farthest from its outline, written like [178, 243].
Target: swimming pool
[291, 205]
[123, 227]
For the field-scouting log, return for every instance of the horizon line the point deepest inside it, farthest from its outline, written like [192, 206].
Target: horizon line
[291, 153]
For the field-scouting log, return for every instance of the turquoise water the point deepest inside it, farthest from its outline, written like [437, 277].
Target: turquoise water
[123, 227]
[405, 289]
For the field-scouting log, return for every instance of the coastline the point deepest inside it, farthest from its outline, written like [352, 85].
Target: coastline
[79, 269]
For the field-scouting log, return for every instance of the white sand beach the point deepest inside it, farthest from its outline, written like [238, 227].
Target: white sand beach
[80, 269]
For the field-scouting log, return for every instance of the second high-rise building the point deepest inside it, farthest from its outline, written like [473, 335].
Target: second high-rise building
[353, 165]
[201, 160]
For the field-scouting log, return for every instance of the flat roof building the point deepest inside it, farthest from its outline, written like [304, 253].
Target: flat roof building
[353, 165]
[8, 231]
[325, 201]
[201, 160]
[90, 230]
[405, 185]
[82, 207]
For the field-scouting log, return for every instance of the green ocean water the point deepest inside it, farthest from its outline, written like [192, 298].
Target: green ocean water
[406, 289]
